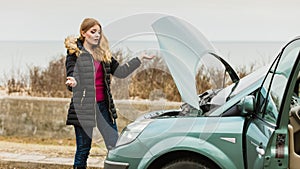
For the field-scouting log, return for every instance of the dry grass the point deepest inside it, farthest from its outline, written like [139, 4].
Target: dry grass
[47, 141]
[153, 82]
[38, 140]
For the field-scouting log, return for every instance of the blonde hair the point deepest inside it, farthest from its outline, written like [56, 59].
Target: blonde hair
[101, 51]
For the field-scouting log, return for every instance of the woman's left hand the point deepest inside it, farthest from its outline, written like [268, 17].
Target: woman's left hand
[145, 56]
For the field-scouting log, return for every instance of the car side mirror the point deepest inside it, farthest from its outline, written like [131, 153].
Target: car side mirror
[247, 105]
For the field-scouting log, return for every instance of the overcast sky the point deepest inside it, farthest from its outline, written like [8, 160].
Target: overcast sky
[263, 20]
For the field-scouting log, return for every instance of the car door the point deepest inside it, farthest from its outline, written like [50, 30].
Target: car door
[266, 139]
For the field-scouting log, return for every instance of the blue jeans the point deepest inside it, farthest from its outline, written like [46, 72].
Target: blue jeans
[83, 145]
[107, 128]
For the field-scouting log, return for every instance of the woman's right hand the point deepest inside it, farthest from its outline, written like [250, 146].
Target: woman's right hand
[71, 82]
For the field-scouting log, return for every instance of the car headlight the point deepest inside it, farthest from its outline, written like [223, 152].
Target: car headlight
[131, 132]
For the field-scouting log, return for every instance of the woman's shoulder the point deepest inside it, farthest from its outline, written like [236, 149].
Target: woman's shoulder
[114, 61]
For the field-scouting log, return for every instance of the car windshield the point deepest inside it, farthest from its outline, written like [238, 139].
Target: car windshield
[245, 86]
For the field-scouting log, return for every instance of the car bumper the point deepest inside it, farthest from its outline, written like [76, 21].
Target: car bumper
[115, 165]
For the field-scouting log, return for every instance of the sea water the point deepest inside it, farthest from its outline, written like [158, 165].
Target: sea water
[17, 57]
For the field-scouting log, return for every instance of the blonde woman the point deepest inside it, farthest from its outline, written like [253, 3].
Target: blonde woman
[89, 67]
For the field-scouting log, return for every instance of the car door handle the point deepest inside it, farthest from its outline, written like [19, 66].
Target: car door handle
[259, 149]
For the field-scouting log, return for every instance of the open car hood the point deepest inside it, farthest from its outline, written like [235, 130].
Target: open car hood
[182, 47]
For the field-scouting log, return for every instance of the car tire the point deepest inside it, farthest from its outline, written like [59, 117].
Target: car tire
[189, 164]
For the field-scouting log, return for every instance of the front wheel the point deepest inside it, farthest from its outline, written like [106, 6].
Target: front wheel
[189, 164]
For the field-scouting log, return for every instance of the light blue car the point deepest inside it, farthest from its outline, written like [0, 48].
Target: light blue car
[251, 124]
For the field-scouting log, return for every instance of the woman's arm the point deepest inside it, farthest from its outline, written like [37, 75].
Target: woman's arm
[122, 71]
[70, 64]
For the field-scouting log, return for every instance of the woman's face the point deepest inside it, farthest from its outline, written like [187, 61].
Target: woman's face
[92, 36]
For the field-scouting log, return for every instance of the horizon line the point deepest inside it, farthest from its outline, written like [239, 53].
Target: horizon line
[43, 40]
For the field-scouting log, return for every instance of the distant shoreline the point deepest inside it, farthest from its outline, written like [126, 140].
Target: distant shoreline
[18, 56]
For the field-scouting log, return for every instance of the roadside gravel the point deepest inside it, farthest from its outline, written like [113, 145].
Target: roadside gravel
[25, 155]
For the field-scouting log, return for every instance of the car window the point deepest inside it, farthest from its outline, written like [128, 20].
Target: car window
[272, 92]
[268, 109]
[297, 87]
[296, 96]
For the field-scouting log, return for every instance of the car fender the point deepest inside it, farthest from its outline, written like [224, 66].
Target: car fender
[187, 144]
